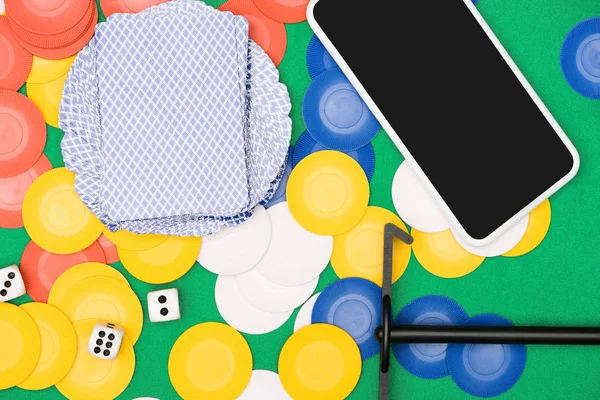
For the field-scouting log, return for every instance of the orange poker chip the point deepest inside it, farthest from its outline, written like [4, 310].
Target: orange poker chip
[12, 193]
[47, 17]
[15, 61]
[110, 249]
[40, 268]
[23, 133]
[57, 40]
[57, 53]
[110, 7]
[287, 11]
[267, 33]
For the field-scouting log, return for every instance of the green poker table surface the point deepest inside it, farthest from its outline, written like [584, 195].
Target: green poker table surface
[556, 284]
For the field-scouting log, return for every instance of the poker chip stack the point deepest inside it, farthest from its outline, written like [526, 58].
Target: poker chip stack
[483, 370]
[23, 344]
[267, 267]
[15, 60]
[579, 58]
[63, 232]
[52, 34]
[267, 19]
[354, 305]
[335, 115]
[23, 140]
[45, 343]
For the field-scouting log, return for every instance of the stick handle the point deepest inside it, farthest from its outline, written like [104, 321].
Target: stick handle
[491, 335]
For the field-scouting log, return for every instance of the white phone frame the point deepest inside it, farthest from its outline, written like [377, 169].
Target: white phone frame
[457, 227]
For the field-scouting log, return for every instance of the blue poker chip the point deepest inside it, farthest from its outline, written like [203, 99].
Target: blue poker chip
[279, 195]
[335, 115]
[580, 58]
[427, 360]
[307, 145]
[486, 370]
[318, 59]
[353, 304]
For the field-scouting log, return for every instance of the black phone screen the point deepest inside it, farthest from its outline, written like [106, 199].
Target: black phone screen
[454, 102]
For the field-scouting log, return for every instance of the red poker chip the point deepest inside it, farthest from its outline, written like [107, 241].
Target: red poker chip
[58, 53]
[287, 11]
[40, 268]
[15, 61]
[267, 33]
[110, 250]
[12, 193]
[57, 40]
[47, 17]
[22, 133]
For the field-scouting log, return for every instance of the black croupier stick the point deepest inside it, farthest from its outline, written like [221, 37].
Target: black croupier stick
[387, 334]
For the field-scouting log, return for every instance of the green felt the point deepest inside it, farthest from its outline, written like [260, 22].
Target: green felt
[557, 284]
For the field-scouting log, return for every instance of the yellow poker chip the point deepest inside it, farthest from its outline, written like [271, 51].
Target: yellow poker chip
[59, 346]
[20, 345]
[92, 377]
[537, 228]
[164, 263]
[210, 361]
[320, 361]
[106, 299]
[358, 252]
[44, 71]
[328, 192]
[132, 241]
[440, 254]
[76, 274]
[47, 97]
[55, 217]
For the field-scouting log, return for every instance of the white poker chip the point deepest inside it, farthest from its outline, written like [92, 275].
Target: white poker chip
[264, 385]
[304, 317]
[414, 204]
[271, 297]
[295, 255]
[241, 314]
[505, 242]
[234, 250]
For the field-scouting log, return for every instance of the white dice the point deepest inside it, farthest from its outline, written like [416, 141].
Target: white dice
[163, 305]
[105, 340]
[11, 283]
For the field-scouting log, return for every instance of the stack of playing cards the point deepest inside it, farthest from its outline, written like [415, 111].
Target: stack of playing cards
[175, 122]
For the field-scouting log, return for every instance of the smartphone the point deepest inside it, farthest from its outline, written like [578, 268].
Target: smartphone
[454, 103]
